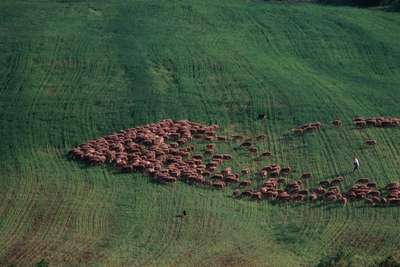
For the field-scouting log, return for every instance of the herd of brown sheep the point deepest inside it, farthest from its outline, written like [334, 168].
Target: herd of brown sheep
[164, 152]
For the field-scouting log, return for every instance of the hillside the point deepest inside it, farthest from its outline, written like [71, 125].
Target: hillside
[75, 70]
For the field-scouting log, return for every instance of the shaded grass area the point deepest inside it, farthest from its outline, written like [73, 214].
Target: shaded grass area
[75, 70]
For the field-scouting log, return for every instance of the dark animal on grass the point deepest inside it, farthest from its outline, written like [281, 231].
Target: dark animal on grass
[246, 144]
[261, 137]
[362, 181]
[246, 182]
[343, 200]
[237, 193]
[370, 142]
[218, 185]
[337, 123]
[253, 150]
[266, 154]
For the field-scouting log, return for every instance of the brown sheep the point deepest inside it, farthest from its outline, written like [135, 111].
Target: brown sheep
[362, 181]
[261, 137]
[369, 201]
[316, 125]
[343, 201]
[218, 177]
[253, 149]
[237, 137]
[231, 179]
[274, 173]
[298, 197]
[266, 154]
[306, 175]
[331, 198]
[359, 124]
[227, 157]
[283, 196]
[271, 195]
[298, 131]
[246, 144]
[247, 193]
[237, 193]
[218, 185]
[210, 146]
[335, 182]
[256, 195]
[246, 182]
[313, 197]
[282, 180]
[209, 151]
[222, 138]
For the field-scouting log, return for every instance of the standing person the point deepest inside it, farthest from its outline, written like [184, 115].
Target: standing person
[356, 164]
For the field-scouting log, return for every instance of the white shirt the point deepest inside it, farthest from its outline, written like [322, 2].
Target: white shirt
[356, 162]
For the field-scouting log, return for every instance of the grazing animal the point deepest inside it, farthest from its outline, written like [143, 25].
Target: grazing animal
[360, 123]
[313, 197]
[306, 175]
[362, 181]
[246, 182]
[222, 138]
[370, 142]
[261, 137]
[337, 123]
[260, 116]
[335, 182]
[266, 154]
[218, 185]
[343, 201]
[237, 137]
[324, 183]
[298, 131]
[256, 195]
[253, 150]
[227, 156]
[237, 193]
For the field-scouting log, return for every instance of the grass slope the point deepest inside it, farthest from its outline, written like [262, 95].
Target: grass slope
[75, 70]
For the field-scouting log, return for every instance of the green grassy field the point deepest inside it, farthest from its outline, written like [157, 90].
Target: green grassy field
[75, 70]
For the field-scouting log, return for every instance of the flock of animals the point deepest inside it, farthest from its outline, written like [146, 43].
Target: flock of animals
[164, 152]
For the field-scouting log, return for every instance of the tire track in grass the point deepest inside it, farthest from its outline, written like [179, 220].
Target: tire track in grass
[387, 147]
[339, 224]
[77, 77]
[332, 228]
[51, 220]
[329, 151]
[20, 220]
[172, 235]
[343, 230]
[168, 231]
[14, 223]
[208, 227]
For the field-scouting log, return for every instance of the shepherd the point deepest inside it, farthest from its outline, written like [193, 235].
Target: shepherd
[356, 164]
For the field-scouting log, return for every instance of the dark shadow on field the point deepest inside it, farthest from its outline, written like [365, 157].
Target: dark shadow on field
[374, 4]
[355, 3]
